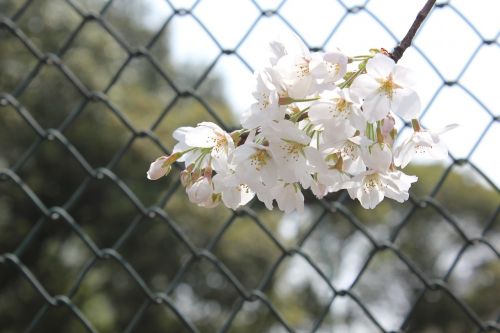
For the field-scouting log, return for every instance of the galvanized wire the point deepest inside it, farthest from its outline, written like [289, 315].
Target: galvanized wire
[197, 254]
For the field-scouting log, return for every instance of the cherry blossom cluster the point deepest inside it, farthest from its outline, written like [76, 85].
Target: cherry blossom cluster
[320, 121]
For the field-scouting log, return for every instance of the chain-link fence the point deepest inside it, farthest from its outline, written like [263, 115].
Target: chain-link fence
[90, 95]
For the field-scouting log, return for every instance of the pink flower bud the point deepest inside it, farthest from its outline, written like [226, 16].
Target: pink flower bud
[157, 168]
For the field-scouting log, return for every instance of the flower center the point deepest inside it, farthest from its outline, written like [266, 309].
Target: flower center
[372, 182]
[302, 70]
[264, 101]
[332, 68]
[291, 150]
[343, 107]
[349, 150]
[220, 142]
[388, 86]
[259, 159]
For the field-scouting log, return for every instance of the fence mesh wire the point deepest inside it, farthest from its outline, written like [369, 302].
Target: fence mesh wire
[13, 260]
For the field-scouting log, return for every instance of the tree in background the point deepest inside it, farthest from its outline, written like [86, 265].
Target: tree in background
[101, 132]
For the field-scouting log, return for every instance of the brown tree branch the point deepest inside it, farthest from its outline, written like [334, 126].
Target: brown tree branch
[398, 51]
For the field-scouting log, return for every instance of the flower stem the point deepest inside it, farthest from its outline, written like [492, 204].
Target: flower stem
[398, 51]
[349, 81]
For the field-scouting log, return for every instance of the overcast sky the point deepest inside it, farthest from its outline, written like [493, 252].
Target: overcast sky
[446, 39]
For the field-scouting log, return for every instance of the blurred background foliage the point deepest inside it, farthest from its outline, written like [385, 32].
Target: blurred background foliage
[138, 97]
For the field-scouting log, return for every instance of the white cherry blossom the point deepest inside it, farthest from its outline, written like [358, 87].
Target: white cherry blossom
[212, 142]
[311, 127]
[266, 108]
[290, 147]
[337, 114]
[289, 197]
[328, 67]
[255, 164]
[425, 142]
[386, 86]
[350, 151]
[372, 186]
[326, 174]
[233, 192]
[376, 156]
[201, 192]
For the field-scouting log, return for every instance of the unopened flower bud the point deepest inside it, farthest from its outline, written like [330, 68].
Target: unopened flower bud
[162, 166]
[156, 169]
[388, 125]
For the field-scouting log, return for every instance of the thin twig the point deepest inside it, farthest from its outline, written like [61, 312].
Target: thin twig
[398, 51]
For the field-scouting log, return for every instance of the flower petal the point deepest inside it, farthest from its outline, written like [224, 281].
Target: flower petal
[156, 169]
[201, 136]
[376, 107]
[364, 86]
[380, 66]
[406, 104]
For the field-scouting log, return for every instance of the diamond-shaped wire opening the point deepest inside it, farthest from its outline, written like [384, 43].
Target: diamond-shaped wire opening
[439, 310]
[25, 299]
[61, 317]
[248, 258]
[294, 228]
[16, 138]
[482, 156]
[44, 100]
[110, 132]
[199, 297]
[16, 61]
[474, 77]
[185, 54]
[56, 256]
[347, 315]
[139, 154]
[140, 93]
[62, 172]
[386, 288]
[473, 278]
[428, 80]
[461, 139]
[478, 201]
[339, 249]
[350, 30]
[12, 198]
[397, 24]
[482, 17]
[137, 21]
[243, 14]
[160, 317]
[303, 17]
[448, 42]
[256, 316]
[156, 237]
[108, 295]
[299, 288]
[94, 47]
[48, 24]
[259, 39]
[103, 210]
[237, 85]
[427, 229]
